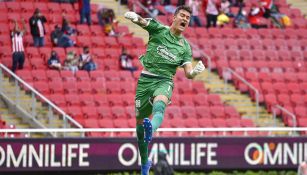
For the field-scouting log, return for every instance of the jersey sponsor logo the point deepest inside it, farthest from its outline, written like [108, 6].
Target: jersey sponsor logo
[165, 53]
[137, 103]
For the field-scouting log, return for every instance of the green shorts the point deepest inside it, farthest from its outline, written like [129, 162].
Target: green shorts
[149, 87]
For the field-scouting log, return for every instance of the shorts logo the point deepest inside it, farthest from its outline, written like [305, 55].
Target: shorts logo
[137, 103]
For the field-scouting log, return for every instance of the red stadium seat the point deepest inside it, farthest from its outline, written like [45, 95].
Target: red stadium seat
[82, 76]
[119, 112]
[58, 100]
[13, 7]
[203, 112]
[128, 99]
[54, 8]
[105, 113]
[111, 41]
[112, 87]
[27, 6]
[130, 111]
[42, 87]
[56, 87]
[70, 87]
[231, 112]
[26, 75]
[188, 112]
[39, 75]
[115, 100]
[72, 100]
[186, 100]
[89, 112]
[125, 42]
[87, 100]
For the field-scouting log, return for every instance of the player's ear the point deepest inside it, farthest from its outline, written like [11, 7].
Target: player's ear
[174, 17]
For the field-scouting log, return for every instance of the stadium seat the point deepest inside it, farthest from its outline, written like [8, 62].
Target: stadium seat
[86, 100]
[42, 87]
[13, 7]
[84, 87]
[56, 87]
[119, 112]
[70, 87]
[58, 100]
[82, 76]
[39, 75]
[130, 111]
[105, 112]
[89, 112]
[112, 87]
[98, 87]
[186, 100]
[203, 112]
[173, 112]
[128, 99]
[72, 100]
[188, 112]
[115, 100]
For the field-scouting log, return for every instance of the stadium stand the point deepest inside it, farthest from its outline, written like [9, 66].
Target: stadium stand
[273, 60]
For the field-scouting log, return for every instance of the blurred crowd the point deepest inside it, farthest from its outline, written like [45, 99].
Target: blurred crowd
[219, 13]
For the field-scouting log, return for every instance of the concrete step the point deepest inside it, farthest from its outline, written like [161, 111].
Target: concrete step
[300, 4]
[25, 100]
[242, 102]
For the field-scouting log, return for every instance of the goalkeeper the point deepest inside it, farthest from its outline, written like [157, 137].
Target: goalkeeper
[167, 49]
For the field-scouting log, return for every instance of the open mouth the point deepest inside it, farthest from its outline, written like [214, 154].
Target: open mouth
[183, 24]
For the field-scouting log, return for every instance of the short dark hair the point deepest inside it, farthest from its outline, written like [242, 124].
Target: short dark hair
[183, 7]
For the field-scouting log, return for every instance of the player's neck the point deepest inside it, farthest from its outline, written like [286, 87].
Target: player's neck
[174, 31]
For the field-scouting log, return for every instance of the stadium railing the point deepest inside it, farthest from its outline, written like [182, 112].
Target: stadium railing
[276, 107]
[32, 110]
[228, 72]
[292, 131]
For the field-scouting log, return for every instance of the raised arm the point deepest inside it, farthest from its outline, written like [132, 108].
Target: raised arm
[191, 72]
[137, 19]
[16, 28]
[24, 28]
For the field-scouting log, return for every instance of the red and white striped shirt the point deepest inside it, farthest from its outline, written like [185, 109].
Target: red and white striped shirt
[40, 28]
[17, 42]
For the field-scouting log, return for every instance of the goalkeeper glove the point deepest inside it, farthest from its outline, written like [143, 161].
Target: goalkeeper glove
[132, 16]
[198, 68]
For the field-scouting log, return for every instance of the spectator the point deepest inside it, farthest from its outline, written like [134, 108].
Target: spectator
[272, 12]
[17, 45]
[195, 6]
[302, 168]
[109, 30]
[211, 8]
[151, 8]
[241, 20]
[66, 28]
[71, 62]
[54, 61]
[222, 19]
[105, 16]
[163, 167]
[60, 39]
[126, 61]
[86, 61]
[225, 8]
[85, 11]
[256, 16]
[37, 28]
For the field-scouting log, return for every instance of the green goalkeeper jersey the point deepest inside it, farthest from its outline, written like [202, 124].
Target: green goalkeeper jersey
[165, 51]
